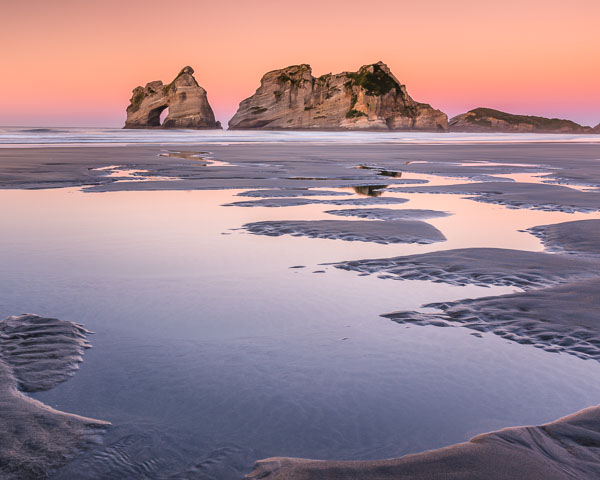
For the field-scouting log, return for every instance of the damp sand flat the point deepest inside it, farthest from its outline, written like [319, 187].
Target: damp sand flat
[288, 165]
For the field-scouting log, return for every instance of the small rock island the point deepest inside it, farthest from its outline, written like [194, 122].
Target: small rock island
[186, 100]
[370, 99]
[490, 120]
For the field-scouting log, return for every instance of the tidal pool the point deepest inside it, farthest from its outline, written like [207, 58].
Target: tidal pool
[210, 352]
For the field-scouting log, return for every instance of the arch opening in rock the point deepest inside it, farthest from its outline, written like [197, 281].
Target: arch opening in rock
[155, 117]
[181, 103]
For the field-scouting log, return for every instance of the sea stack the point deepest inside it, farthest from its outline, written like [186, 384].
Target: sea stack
[490, 120]
[370, 99]
[186, 100]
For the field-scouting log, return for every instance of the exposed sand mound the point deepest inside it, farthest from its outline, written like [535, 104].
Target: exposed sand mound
[397, 231]
[581, 237]
[534, 196]
[388, 213]
[37, 354]
[558, 319]
[480, 266]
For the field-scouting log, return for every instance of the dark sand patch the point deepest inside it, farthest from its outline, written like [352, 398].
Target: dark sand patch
[480, 266]
[563, 318]
[580, 237]
[398, 231]
[37, 354]
[388, 213]
[521, 195]
[293, 202]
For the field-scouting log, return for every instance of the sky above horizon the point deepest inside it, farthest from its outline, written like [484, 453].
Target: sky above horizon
[74, 63]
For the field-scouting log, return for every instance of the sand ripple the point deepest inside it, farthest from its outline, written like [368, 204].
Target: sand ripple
[480, 266]
[36, 354]
[398, 231]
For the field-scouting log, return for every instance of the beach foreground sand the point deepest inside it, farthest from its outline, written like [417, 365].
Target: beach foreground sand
[556, 309]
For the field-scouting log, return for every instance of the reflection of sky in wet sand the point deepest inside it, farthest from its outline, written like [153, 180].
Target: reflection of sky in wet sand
[216, 337]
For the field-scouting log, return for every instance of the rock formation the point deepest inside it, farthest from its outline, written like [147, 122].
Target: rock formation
[371, 98]
[186, 100]
[490, 120]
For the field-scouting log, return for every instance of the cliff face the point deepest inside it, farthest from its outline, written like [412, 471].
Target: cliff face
[186, 100]
[371, 98]
[489, 120]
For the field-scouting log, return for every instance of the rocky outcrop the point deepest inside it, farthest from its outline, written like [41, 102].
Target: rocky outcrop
[186, 100]
[370, 99]
[490, 120]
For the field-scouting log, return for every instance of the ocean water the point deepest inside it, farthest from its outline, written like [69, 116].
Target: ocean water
[211, 352]
[12, 136]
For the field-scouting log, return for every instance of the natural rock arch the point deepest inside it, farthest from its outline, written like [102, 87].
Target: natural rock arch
[186, 100]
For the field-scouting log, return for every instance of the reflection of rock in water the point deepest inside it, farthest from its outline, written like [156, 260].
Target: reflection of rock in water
[37, 354]
[390, 173]
[370, 190]
[381, 171]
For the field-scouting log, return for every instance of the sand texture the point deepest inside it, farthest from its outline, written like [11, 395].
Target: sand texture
[557, 319]
[396, 231]
[37, 354]
[388, 213]
[480, 266]
[537, 196]
[581, 237]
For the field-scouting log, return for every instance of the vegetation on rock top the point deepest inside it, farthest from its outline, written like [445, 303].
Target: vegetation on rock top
[376, 82]
[482, 116]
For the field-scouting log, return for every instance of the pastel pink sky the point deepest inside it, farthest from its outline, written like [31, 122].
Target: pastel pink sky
[74, 62]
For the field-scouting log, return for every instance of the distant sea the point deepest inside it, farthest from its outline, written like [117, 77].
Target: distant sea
[13, 136]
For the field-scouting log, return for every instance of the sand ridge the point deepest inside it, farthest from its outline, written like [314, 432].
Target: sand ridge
[383, 232]
[36, 354]
[388, 213]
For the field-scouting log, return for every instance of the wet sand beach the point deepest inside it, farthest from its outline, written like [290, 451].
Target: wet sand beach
[211, 352]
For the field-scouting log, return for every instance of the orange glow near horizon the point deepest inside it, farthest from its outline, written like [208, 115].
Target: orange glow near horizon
[73, 63]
